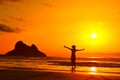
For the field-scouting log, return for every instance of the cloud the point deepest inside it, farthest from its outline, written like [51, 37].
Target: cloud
[47, 5]
[14, 0]
[3, 1]
[5, 28]
[4, 20]
[11, 18]
[16, 18]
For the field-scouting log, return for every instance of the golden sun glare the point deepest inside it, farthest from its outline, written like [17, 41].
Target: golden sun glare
[93, 69]
[94, 35]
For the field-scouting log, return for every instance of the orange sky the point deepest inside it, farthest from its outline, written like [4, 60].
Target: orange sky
[51, 24]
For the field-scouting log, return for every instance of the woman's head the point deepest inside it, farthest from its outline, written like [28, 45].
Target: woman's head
[73, 46]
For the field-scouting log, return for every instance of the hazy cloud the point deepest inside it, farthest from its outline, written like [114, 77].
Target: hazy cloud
[3, 1]
[47, 5]
[15, 0]
[4, 20]
[16, 18]
[5, 28]
[11, 18]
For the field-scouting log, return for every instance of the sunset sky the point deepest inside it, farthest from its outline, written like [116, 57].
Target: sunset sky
[51, 24]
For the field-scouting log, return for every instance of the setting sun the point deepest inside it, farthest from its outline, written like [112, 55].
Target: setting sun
[94, 35]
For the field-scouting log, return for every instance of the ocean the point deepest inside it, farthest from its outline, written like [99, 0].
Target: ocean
[84, 65]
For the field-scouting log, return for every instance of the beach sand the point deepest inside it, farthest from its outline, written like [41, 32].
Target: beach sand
[13, 74]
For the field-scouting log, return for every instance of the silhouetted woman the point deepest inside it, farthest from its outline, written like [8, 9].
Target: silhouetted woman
[73, 57]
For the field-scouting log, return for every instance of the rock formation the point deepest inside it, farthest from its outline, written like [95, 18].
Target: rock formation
[21, 49]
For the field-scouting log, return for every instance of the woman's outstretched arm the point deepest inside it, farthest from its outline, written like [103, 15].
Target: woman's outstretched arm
[67, 47]
[80, 50]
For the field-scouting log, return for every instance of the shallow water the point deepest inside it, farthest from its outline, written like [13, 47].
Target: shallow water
[88, 65]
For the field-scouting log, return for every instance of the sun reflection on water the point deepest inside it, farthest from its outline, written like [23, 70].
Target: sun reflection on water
[93, 61]
[93, 70]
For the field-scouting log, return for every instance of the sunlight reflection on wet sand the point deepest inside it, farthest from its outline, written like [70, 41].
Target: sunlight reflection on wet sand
[93, 70]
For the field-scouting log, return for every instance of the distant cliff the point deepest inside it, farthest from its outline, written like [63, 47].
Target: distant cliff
[21, 49]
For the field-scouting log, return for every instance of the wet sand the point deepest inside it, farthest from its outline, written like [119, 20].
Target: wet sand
[23, 74]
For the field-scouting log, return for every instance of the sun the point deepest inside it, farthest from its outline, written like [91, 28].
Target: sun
[94, 35]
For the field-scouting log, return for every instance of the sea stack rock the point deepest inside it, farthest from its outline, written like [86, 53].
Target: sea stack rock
[21, 49]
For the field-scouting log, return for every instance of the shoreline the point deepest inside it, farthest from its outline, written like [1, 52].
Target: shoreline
[23, 74]
[63, 71]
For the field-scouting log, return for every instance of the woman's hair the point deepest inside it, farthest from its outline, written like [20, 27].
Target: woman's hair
[73, 46]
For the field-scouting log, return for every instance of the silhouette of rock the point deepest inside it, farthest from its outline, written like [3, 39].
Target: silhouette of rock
[21, 49]
[1, 54]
